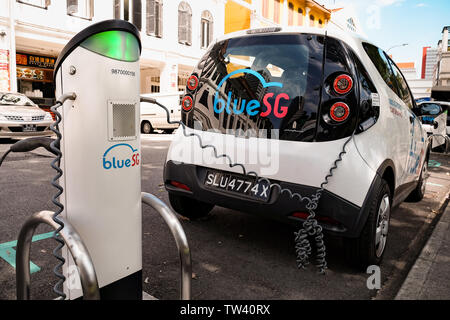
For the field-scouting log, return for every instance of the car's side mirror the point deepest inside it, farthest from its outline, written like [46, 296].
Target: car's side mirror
[435, 124]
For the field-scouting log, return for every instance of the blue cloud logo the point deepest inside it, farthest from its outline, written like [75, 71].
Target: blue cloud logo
[252, 107]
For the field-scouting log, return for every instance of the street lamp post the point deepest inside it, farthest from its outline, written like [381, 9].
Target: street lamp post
[398, 45]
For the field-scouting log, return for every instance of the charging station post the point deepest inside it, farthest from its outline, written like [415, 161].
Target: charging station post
[101, 155]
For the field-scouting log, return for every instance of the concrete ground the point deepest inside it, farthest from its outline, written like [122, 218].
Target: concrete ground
[235, 255]
[429, 278]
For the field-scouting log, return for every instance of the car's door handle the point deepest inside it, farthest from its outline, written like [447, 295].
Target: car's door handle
[411, 119]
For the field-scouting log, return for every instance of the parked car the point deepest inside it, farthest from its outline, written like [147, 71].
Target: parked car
[312, 89]
[435, 120]
[155, 118]
[20, 117]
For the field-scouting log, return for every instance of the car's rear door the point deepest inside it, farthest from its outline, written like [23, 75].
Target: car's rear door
[416, 151]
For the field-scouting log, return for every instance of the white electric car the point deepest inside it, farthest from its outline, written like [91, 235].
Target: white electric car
[282, 102]
[21, 117]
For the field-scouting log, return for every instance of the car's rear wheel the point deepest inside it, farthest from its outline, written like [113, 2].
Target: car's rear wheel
[146, 127]
[188, 207]
[369, 248]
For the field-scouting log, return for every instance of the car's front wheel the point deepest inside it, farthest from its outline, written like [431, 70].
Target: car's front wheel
[369, 248]
[188, 207]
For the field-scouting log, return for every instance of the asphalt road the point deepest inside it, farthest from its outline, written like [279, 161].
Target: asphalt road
[235, 255]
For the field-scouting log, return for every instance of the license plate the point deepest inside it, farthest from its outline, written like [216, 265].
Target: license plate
[238, 184]
[29, 128]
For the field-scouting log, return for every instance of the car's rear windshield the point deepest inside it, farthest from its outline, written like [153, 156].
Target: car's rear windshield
[259, 83]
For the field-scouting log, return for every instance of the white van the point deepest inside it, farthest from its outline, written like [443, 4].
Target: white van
[304, 92]
[154, 118]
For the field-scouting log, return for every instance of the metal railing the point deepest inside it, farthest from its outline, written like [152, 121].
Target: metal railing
[180, 238]
[446, 139]
[75, 245]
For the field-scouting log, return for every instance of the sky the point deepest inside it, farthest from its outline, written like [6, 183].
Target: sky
[389, 23]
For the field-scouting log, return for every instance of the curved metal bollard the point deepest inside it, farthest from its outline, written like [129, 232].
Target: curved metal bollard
[180, 238]
[75, 245]
[446, 138]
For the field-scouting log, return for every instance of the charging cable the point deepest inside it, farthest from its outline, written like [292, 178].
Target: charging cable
[310, 227]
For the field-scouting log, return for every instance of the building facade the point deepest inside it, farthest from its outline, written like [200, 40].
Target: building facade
[174, 35]
[245, 14]
[429, 60]
[441, 74]
[420, 88]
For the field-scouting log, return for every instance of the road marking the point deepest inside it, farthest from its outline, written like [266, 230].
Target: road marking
[434, 184]
[433, 163]
[8, 254]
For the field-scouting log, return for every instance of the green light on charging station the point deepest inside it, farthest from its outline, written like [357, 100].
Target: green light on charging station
[118, 45]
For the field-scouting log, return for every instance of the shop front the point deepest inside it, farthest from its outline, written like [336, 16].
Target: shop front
[35, 78]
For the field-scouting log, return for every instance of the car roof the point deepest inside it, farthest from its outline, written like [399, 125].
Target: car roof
[349, 37]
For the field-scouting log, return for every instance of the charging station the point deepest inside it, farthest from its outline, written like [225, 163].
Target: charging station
[101, 155]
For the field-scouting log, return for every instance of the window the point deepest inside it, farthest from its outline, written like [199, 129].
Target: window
[403, 88]
[36, 3]
[81, 8]
[265, 8]
[291, 14]
[154, 18]
[382, 64]
[290, 59]
[155, 84]
[390, 73]
[320, 23]
[129, 10]
[311, 21]
[276, 11]
[206, 29]
[366, 87]
[300, 16]
[184, 24]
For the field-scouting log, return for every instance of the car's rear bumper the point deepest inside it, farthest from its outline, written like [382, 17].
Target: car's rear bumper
[335, 214]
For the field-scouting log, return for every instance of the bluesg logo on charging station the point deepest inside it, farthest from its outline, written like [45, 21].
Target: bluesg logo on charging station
[252, 107]
[113, 161]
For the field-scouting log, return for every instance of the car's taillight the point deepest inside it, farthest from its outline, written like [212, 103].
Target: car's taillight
[301, 215]
[187, 103]
[339, 111]
[180, 185]
[192, 83]
[343, 84]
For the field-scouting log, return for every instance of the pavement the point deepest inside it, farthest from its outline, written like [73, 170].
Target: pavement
[429, 278]
[235, 255]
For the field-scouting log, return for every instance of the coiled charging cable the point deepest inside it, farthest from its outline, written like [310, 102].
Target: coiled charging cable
[53, 146]
[311, 228]
[56, 164]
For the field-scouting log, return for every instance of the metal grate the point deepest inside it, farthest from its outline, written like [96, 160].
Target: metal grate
[124, 120]
[21, 118]
[14, 118]
[37, 118]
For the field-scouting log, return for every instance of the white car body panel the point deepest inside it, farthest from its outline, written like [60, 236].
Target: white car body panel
[393, 137]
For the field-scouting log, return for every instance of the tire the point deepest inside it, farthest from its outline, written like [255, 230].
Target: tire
[169, 131]
[369, 248]
[146, 127]
[418, 193]
[189, 208]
